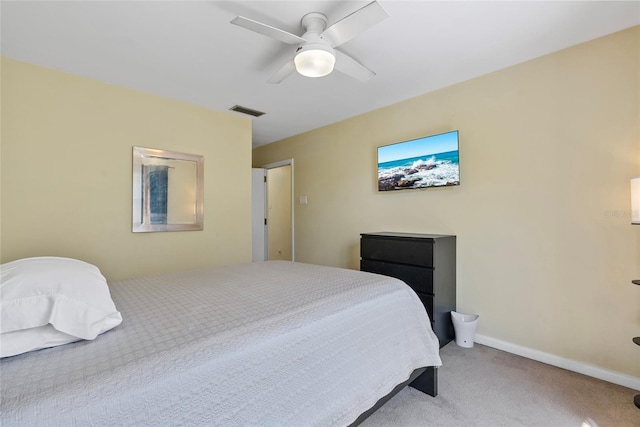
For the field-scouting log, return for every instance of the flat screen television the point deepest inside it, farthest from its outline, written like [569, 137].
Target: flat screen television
[431, 161]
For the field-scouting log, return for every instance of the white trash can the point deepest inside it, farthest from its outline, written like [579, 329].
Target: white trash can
[465, 326]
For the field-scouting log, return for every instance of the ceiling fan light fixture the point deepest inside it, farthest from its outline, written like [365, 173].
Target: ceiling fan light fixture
[317, 61]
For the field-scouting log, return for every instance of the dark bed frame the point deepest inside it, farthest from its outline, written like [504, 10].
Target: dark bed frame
[423, 379]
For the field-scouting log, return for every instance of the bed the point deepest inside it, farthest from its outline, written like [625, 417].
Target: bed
[261, 344]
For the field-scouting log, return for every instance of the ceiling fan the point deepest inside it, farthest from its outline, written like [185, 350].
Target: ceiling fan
[316, 54]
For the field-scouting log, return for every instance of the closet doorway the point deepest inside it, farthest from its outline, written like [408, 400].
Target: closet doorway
[272, 212]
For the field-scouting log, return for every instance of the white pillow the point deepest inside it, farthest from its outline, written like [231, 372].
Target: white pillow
[50, 301]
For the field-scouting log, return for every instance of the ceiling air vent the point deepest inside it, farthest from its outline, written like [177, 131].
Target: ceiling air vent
[245, 110]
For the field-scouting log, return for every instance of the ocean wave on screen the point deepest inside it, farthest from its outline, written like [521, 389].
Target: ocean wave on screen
[431, 161]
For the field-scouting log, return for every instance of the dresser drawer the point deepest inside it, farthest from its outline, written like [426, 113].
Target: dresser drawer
[427, 301]
[419, 278]
[417, 252]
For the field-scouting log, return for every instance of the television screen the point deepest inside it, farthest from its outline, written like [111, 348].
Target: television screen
[426, 162]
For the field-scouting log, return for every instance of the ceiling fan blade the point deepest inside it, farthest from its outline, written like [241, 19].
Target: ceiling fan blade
[285, 71]
[354, 24]
[351, 67]
[267, 30]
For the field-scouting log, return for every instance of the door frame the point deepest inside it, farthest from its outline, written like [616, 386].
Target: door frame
[258, 223]
[266, 237]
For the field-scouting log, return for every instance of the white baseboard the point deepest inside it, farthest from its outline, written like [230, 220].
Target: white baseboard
[569, 364]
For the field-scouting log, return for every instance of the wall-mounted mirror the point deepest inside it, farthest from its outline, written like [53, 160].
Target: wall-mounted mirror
[167, 190]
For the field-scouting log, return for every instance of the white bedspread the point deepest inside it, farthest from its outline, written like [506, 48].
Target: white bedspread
[263, 344]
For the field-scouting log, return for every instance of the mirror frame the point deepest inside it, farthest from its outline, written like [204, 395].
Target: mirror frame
[139, 155]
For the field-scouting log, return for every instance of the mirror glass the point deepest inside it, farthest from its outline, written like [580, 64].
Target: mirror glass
[167, 190]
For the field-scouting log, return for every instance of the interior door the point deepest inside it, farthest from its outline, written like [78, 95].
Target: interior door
[272, 216]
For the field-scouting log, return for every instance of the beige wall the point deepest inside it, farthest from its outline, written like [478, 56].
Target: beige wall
[546, 252]
[66, 174]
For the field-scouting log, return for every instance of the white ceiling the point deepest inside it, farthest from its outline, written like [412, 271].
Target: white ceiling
[188, 50]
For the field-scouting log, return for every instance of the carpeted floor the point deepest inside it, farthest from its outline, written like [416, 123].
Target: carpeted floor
[481, 386]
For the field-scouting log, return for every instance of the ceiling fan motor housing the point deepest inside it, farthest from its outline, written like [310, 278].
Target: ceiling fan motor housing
[313, 22]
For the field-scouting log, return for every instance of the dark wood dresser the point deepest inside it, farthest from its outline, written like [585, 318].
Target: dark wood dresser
[426, 262]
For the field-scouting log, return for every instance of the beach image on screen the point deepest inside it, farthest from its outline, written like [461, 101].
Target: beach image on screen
[431, 161]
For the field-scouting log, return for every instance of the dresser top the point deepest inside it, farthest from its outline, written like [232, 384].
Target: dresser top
[410, 235]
